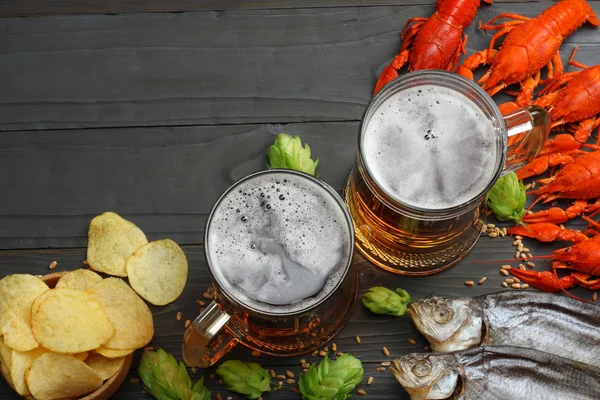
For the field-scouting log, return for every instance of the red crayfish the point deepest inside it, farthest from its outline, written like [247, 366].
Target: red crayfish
[563, 143]
[582, 257]
[578, 100]
[530, 44]
[557, 215]
[548, 232]
[435, 42]
[579, 178]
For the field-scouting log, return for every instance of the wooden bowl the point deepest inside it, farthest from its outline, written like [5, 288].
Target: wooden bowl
[111, 385]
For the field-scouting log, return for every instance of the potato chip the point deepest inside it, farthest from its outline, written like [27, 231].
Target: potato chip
[69, 321]
[55, 376]
[17, 293]
[158, 271]
[18, 332]
[82, 356]
[21, 363]
[111, 240]
[5, 362]
[80, 279]
[105, 367]
[110, 353]
[128, 313]
[5, 353]
[5, 371]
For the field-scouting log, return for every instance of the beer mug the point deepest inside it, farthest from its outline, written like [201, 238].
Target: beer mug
[279, 246]
[431, 144]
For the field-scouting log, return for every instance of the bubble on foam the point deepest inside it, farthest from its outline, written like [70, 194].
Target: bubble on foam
[292, 253]
[431, 150]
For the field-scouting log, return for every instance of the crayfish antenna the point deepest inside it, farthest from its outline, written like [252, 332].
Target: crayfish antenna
[512, 260]
[531, 206]
[593, 227]
[550, 197]
[537, 257]
[591, 221]
[565, 290]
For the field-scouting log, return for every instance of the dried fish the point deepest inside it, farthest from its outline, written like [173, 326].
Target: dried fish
[503, 372]
[538, 320]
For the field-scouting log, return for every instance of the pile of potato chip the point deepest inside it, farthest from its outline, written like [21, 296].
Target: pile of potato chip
[157, 271]
[66, 341]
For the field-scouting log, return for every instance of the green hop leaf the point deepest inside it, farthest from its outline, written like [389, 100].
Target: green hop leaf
[287, 152]
[507, 198]
[199, 391]
[166, 379]
[331, 380]
[381, 300]
[249, 379]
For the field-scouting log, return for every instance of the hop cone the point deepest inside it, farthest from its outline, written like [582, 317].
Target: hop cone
[381, 300]
[507, 198]
[287, 152]
[249, 379]
[331, 380]
[166, 379]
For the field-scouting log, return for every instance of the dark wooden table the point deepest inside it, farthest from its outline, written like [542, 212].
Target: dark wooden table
[151, 109]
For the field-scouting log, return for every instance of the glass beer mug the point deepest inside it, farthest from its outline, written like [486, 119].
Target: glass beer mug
[279, 248]
[431, 144]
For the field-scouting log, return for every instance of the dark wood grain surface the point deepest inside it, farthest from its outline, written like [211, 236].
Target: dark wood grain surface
[17, 8]
[375, 331]
[235, 67]
[154, 115]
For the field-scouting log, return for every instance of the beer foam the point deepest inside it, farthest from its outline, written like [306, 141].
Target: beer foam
[278, 242]
[430, 147]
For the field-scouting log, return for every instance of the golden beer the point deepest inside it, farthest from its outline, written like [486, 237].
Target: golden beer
[279, 247]
[403, 244]
[431, 145]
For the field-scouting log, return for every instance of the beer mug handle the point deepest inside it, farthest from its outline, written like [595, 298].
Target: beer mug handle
[528, 129]
[206, 340]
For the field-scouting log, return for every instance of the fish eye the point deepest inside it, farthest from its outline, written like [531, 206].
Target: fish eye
[442, 314]
[422, 368]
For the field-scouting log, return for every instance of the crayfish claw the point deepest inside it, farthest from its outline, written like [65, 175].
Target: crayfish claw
[545, 281]
[586, 282]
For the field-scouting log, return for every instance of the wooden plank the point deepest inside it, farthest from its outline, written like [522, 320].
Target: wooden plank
[191, 68]
[375, 331]
[17, 8]
[258, 66]
[164, 179]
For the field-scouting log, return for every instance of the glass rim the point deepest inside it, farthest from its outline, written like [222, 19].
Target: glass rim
[439, 77]
[327, 189]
